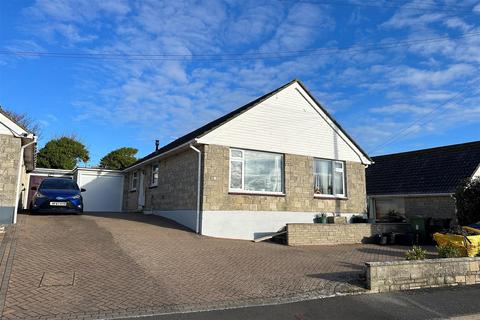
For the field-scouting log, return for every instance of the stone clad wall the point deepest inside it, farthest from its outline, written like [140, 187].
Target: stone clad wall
[298, 187]
[301, 234]
[436, 207]
[9, 157]
[405, 275]
[177, 185]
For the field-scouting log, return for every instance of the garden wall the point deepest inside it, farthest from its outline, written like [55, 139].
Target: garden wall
[405, 275]
[299, 234]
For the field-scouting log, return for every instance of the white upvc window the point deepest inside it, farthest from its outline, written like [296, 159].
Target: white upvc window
[329, 178]
[134, 181]
[256, 172]
[154, 175]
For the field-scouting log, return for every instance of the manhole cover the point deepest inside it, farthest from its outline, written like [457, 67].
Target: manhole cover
[51, 279]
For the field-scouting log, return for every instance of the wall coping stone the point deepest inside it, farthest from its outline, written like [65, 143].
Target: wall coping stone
[425, 261]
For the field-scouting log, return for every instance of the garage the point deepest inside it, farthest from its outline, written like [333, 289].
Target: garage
[104, 188]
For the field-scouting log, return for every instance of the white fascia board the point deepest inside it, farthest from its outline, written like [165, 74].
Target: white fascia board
[476, 173]
[330, 122]
[14, 128]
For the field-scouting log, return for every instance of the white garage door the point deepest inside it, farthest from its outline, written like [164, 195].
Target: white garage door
[104, 189]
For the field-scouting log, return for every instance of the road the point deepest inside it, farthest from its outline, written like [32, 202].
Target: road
[440, 303]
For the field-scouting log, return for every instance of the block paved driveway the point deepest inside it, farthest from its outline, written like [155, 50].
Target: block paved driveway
[114, 265]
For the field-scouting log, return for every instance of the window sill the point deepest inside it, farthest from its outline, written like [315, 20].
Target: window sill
[133, 190]
[326, 196]
[153, 186]
[258, 193]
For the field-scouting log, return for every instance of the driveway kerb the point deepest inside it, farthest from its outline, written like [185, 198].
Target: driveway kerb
[7, 253]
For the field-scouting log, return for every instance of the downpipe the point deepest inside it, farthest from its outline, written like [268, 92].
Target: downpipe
[199, 176]
[19, 173]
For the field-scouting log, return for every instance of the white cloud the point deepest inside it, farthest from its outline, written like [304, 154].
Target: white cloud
[401, 108]
[457, 23]
[423, 78]
[476, 9]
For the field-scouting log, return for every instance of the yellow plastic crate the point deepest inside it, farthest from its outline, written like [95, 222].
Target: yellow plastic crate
[468, 245]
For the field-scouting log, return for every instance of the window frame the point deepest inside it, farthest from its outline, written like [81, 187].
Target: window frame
[344, 183]
[242, 160]
[134, 177]
[152, 182]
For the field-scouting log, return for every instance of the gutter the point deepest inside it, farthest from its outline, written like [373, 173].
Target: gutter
[159, 155]
[199, 176]
[19, 173]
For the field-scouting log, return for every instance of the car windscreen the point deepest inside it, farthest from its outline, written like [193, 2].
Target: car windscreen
[59, 184]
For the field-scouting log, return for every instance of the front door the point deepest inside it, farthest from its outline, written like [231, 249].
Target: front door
[141, 191]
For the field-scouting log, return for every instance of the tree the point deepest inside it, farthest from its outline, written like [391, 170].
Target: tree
[23, 120]
[119, 159]
[467, 199]
[62, 153]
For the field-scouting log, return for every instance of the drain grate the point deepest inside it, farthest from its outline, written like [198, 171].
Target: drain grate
[57, 279]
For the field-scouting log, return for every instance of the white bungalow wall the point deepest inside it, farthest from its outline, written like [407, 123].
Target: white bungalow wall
[287, 122]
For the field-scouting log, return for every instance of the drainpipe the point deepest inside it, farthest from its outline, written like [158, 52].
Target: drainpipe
[199, 176]
[19, 173]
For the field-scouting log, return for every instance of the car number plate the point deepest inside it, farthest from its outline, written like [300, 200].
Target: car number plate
[58, 204]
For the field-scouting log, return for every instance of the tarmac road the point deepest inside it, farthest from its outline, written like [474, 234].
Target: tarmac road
[459, 303]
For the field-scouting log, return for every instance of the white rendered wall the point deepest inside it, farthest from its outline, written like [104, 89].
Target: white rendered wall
[187, 218]
[250, 225]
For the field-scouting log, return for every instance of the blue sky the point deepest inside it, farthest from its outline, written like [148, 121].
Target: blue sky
[398, 75]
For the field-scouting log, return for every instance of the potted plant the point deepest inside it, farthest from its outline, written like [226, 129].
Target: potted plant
[320, 218]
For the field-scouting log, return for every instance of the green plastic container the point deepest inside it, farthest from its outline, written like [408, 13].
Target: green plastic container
[418, 228]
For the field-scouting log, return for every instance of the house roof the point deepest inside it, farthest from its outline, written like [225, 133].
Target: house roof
[229, 116]
[19, 131]
[427, 171]
[13, 123]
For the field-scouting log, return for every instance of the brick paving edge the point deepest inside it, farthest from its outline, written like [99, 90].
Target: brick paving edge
[204, 307]
[6, 261]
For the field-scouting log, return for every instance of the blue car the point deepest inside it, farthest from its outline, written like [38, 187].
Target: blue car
[57, 195]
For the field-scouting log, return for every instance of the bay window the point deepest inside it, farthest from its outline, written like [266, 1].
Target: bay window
[256, 171]
[329, 178]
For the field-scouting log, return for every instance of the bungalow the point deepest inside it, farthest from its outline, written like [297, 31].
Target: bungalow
[17, 157]
[421, 182]
[279, 159]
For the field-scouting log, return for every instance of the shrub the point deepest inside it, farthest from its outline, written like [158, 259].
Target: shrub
[449, 251]
[467, 200]
[416, 253]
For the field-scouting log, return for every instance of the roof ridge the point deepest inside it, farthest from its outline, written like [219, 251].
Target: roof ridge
[428, 149]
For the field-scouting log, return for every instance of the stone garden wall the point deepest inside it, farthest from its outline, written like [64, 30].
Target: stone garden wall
[300, 234]
[405, 275]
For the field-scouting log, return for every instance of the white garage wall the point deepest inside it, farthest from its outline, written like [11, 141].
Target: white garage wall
[104, 189]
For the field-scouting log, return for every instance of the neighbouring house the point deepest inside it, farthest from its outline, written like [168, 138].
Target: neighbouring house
[279, 159]
[421, 182]
[17, 157]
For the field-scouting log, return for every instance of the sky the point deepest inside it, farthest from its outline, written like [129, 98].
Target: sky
[397, 75]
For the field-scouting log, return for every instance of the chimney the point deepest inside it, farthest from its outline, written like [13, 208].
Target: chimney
[157, 143]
